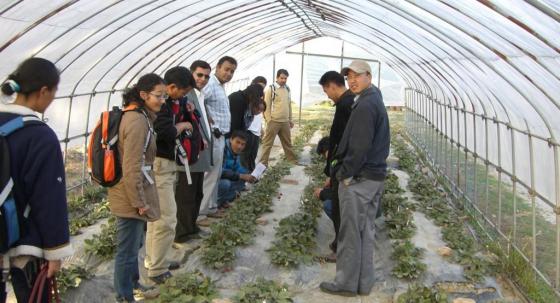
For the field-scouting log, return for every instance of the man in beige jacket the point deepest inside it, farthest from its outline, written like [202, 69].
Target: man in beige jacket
[278, 117]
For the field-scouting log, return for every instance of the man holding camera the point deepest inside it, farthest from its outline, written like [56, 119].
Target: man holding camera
[217, 102]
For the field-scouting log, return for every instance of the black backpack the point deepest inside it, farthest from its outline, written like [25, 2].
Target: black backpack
[11, 220]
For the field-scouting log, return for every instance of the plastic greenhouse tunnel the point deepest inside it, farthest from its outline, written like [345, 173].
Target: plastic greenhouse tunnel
[471, 204]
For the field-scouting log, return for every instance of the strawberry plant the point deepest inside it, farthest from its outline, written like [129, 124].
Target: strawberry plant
[263, 291]
[191, 287]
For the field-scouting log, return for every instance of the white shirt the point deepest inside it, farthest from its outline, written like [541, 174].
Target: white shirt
[256, 125]
[200, 97]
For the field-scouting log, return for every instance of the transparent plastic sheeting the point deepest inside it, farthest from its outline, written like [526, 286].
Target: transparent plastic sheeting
[497, 58]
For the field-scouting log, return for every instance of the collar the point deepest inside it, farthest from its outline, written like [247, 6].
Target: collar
[276, 85]
[217, 80]
[17, 109]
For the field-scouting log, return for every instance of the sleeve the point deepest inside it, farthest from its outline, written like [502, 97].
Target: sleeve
[358, 139]
[45, 182]
[228, 172]
[134, 137]
[268, 101]
[230, 175]
[164, 126]
[325, 194]
[290, 106]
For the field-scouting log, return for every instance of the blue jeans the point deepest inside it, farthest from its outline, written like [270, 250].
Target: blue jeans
[130, 233]
[227, 190]
[327, 207]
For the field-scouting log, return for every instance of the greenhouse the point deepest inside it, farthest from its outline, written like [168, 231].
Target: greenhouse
[471, 204]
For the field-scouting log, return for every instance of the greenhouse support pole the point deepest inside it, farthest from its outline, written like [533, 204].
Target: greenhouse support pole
[465, 150]
[273, 68]
[379, 74]
[342, 56]
[487, 165]
[557, 211]
[532, 195]
[301, 81]
[475, 156]
[500, 179]
[514, 185]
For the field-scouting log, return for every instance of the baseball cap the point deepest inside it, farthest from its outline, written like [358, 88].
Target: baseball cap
[358, 66]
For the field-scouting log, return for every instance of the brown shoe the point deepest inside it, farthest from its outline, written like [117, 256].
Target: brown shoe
[331, 258]
[204, 222]
[219, 214]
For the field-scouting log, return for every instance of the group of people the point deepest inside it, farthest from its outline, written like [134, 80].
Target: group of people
[187, 150]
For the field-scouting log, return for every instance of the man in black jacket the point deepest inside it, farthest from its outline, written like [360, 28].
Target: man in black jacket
[333, 85]
[360, 167]
[160, 234]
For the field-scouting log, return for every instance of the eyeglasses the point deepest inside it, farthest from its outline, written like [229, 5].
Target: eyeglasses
[200, 75]
[161, 97]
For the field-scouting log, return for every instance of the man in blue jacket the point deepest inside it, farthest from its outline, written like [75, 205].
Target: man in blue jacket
[360, 168]
[234, 175]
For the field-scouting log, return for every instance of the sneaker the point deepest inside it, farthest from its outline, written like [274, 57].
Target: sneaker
[145, 292]
[218, 215]
[331, 258]
[161, 278]
[204, 222]
[174, 265]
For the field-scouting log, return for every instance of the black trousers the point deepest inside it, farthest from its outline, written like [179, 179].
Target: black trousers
[188, 199]
[249, 155]
[23, 280]
[335, 211]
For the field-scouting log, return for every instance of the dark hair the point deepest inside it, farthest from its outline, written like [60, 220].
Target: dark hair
[259, 79]
[323, 145]
[239, 134]
[332, 77]
[30, 76]
[253, 94]
[228, 59]
[199, 63]
[180, 76]
[282, 71]
[146, 83]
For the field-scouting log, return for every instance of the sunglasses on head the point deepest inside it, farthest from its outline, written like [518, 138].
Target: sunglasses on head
[200, 75]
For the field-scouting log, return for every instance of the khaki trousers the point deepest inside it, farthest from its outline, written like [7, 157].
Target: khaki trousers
[282, 129]
[160, 234]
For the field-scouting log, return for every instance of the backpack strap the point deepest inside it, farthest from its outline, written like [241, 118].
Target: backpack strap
[146, 168]
[17, 123]
[272, 97]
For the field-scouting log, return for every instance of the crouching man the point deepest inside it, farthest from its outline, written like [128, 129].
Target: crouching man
[234, 176]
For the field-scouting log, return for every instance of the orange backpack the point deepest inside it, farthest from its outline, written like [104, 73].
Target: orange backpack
[103, 155]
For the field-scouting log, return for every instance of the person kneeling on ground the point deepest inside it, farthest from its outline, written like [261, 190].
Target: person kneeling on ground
[234, 176]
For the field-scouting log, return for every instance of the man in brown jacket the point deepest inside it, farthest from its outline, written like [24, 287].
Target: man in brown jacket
[278, 117]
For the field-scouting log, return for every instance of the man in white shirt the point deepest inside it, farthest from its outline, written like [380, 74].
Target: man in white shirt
[217, 103]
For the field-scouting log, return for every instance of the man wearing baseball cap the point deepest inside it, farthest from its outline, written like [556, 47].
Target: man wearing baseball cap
[360, 167]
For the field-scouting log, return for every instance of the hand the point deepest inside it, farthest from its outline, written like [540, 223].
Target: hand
[248, 178]
[291, 124]
[53, 267]
[190, 107]
[181, 126]
[210, 120]
[317, 192]
[205, 143]
[142, 210]
[327, 182]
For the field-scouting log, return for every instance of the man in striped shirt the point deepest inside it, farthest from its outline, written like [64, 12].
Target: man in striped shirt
[217, 103]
